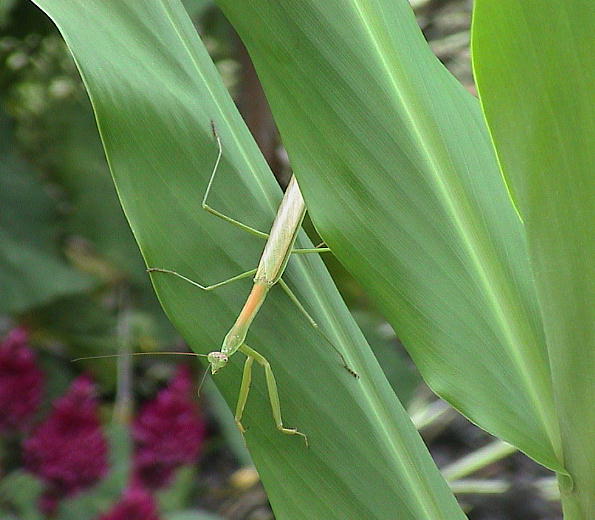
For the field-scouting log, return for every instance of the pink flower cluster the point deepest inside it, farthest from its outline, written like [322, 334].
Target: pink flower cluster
[68, 450]
[21, 382]
[136, 504]
[168, 432]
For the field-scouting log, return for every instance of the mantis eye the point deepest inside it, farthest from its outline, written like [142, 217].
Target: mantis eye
[217, 360]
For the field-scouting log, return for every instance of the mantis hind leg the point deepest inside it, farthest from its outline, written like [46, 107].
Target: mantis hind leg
[252, 356]
[215, 212]
[303, 310]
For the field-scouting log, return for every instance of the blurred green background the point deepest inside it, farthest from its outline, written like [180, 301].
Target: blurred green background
[72, 275]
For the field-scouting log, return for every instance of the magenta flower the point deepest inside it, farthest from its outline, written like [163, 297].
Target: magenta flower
[21, 382]
[168, 432]
[136, 504]
[68, 450]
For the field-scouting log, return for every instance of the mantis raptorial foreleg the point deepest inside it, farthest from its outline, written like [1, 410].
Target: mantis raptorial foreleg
[284, 286]
[244, 391]
[252, 355]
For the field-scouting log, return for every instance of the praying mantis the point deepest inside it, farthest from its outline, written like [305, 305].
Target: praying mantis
[278, 248]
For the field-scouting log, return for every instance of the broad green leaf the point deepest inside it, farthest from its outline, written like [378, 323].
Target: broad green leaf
[155, 91]
[535, 68]
[397, 367]
[397, 169]
[32, 270]
[78, 165]
[226, 423]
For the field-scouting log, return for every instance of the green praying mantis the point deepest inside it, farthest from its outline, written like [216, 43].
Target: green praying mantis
[277, 251]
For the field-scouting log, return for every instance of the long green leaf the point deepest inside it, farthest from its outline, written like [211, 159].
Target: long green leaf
[397, 169]
[155, 92]
[535, 67]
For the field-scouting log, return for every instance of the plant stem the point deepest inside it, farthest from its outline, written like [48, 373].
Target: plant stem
[576, 505]
[123, 405]
[430, 413]
[479, 487]
[476, 460]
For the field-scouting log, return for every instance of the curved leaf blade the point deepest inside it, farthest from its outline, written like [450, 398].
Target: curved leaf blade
[155, 91]
[398, 172]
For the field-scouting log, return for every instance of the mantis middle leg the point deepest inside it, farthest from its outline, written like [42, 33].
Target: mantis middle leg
[200, 286]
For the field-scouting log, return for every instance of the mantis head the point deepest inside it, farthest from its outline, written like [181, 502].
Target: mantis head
[217, 360]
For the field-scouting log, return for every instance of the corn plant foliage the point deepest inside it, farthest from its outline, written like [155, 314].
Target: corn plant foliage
[535, 68]
[398, 171]
[155, 91]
